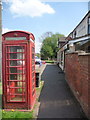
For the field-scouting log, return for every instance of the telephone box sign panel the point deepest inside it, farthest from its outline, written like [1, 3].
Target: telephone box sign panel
[15, 38]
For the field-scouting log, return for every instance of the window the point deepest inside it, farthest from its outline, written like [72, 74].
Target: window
[75, 34]
[89, 25]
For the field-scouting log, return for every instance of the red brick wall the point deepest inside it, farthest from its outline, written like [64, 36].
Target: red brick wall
[77, 71]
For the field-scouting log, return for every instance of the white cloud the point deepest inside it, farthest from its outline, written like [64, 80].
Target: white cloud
[4, 30]
[30, 8]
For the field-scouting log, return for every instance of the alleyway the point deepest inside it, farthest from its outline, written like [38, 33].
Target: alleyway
[57, 101]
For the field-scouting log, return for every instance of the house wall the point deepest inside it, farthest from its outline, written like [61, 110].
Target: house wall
[81, 29]
[60, 58]
[77, 72]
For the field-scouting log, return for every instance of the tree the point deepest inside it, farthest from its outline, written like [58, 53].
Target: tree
[38, 55]
[45, 35]
[49, 46]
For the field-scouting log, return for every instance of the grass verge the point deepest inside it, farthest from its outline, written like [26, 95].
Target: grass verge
[25, 115]
[39, 89]
[17, 114]
[37, 104]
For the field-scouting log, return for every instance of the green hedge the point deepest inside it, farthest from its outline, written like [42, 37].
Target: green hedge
[49, 61]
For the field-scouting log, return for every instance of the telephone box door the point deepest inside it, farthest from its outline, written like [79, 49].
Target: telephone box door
[15, 74]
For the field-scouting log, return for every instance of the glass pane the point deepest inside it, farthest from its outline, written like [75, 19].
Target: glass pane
[13, 56]
[16, 77]
[13, 63]
[88, 29]
[16, 49]
[16, 91]
[19, 77]
[17, 63]
[13, 77]
[17, 70]
[89, 21]
[32, 56]
[18, 98]
[33, 74]
[16, 56]
[33, 62]
[33, 68]
[33, 49]
[13, 70]
[33, 80]
[20, 56]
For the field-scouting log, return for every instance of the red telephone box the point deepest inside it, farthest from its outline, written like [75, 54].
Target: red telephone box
[18, 68]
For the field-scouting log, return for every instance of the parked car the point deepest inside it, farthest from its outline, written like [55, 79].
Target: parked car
[38, 60]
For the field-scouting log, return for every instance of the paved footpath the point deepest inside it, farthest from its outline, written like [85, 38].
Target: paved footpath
[57, 101]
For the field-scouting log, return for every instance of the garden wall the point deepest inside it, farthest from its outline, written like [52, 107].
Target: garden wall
[77, 72]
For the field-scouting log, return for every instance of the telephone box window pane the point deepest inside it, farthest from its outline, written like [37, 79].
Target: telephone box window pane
[16, 56]
[16, 49]
[13, 63]
[24, 77]
[16, 91]
[33, 68]
[20, 77]
[13, 56]
[17, 62]
[33, 49]
[32, 74]
[17, 70]
[13, 77]
[13, 70]
[32, 56]
[33, 62]
[33, 92]
[33, 80]
[13, 98]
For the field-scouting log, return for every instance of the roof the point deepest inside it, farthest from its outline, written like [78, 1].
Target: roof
[29, 33]
[80, 22]
[62, 39]
[84, 38]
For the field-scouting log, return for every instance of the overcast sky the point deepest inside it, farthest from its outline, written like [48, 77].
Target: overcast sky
[40, 17]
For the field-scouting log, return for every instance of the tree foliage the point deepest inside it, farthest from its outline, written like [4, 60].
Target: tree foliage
[49, 45]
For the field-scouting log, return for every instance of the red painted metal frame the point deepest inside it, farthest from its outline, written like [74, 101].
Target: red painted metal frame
[28, 70]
